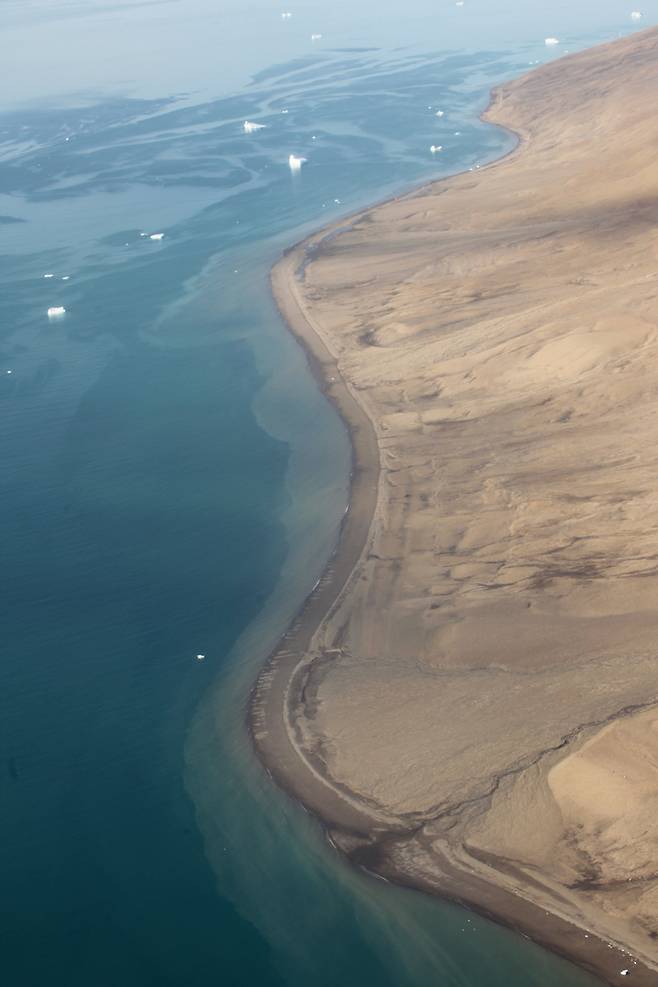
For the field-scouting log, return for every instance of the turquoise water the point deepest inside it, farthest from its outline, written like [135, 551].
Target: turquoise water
[172, 479]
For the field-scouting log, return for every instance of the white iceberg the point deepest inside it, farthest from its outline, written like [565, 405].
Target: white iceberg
[250, 128]
[551, 41]
[636, 15]
[286, 15]
[55, 311]
[440, 113]
[49, 275]
[435, 148]
[316, 37]
[295, 163]
[156, 236]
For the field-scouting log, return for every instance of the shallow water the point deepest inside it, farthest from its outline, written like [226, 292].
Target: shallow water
[173, 480]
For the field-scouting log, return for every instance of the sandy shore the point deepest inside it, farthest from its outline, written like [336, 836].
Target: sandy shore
[469, 697]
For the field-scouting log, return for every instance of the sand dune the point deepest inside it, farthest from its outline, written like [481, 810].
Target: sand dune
[484, 686]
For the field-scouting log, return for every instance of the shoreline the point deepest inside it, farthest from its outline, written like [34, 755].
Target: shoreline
[362, 832]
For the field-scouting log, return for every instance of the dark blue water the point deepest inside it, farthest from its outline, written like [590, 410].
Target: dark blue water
[172, 481]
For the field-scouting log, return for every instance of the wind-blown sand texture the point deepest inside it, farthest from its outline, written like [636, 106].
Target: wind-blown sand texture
[469, 699]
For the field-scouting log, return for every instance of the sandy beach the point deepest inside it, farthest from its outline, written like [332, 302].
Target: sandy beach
[469, 697]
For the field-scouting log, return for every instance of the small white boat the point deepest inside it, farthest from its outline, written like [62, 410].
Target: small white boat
[200, 657]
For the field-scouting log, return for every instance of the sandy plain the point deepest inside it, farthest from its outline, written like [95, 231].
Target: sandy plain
[469, 697]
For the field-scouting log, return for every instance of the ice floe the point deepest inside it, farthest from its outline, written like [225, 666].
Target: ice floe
[295, 163]
[49, 275]
[250, 128]
[156, 236]
[55, 311]
[440, 113]
[435, 148]
[636, 15]
[551, 41]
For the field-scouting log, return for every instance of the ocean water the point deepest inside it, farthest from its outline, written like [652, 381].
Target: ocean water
[172, 480]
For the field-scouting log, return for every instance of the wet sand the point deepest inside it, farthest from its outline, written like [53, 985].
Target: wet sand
[469, 697]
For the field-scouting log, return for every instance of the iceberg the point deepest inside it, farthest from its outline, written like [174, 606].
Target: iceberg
[435, 148]
[636, 15]
[551, 41]
[156, 236]
[55, 311]
[251, 128]
[295, 163]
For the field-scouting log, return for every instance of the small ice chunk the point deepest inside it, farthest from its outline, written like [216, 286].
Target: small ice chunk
[200, 657]
[143, 234]
[10, 372]
[286, 15]
[551, 41]
[67, 277]
[55, 311]
[295, 163]
[440, 113]
[250, 128]
[460, 3]
[337, 201]
[284, 111]
[636, 15]
[156, 236]
[316, 37]
[49, 275]
[435, 148]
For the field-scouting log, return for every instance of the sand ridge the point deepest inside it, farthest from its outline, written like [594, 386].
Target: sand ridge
[477, 710]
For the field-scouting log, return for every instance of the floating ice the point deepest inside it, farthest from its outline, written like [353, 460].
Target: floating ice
[286, 15]
[67, 277]
[200, 657]
[55, 311]
[440, 113]
[284, 111]
[10, 371]
[316, 37]
[49, 275]
[636, 15]
[156, 236]
[251, 128]
[551, 41]
[435, 148]
[296, 163]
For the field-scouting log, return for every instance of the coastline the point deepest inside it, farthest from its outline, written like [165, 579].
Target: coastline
[362, 830]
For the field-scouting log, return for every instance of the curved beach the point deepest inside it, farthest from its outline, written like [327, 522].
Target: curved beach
[468, 697]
